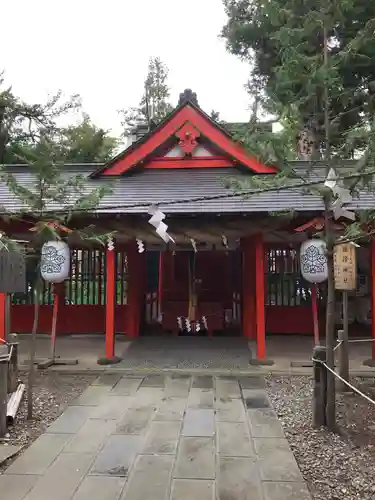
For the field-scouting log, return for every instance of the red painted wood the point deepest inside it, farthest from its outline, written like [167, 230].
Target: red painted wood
[174, 163]
[373, 296]
[286, 320]
[55, 312]
[259, 299]
[2, 317]
[136, 271]
[248, 289]
[110, 304]
[199, 120]
[315, 315]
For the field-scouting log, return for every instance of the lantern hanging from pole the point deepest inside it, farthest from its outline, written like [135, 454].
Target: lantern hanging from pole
[55, 261]
[314, 260]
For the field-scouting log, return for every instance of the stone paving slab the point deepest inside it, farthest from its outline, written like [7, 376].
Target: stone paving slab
[126, 386]
[161, 438]
[285, 491]
[62, 478]
[234, 440]
[15, 487]
[227, 388]
[92, 396]
[200, 398]
[150, 478]
[264, 423]
[91, 436]
[100, 488]
[117, 456]
[199, 423]
[188, 489]
[238, 478]
[40, 455]
[230, 410]
[177, 386]
[108, 379]
[8, 451]
[171, 409]
[112, 407]
[71, 420]
[195, 458]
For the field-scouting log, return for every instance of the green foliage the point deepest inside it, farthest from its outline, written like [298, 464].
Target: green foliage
[51, 202]
[23, 125]
[283, 41]
[86, 143]
[154, 105]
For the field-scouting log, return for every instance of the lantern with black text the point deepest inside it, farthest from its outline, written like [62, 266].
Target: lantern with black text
[314, 260]
[55, 261]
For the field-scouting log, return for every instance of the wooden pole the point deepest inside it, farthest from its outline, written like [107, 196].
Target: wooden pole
[373, 298]
[55, 309]
[2, 317]
[3, 389]
[320, 387]
[259, 302]
[314, 306]
[330, 329]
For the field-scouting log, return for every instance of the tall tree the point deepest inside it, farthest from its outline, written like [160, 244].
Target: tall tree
[53, 205]
[86, 143]
[23, 124]
[309, 86]
[154, 104]
[259, 32]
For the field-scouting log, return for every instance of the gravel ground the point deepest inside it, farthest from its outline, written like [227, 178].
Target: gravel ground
[336, 466]
[51, 395]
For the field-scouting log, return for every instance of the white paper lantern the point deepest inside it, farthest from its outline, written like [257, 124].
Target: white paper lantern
[55, 261]
[314, 260]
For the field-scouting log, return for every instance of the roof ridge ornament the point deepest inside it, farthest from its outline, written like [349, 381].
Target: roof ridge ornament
[188, 96]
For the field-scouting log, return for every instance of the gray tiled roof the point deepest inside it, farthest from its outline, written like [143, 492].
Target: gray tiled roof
[162, 186]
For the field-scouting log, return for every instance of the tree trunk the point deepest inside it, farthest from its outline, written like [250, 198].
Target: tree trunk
[330, 330]
[30, 378]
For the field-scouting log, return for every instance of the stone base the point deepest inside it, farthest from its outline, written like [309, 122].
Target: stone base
[109, 361]
[46, 363]
[369, 362]
[261, 362]
[301, 364]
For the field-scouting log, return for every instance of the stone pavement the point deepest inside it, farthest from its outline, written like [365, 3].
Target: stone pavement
[161, 438]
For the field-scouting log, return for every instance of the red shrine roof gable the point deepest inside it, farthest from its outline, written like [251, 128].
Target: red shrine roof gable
[187, 138]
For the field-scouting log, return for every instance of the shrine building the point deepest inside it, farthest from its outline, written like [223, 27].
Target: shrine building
[232, 267]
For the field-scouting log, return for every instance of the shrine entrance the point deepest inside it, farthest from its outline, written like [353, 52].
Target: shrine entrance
[193, 293]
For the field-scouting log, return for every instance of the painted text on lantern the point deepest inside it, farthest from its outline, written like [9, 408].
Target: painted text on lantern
[55, 261]
[314, 260]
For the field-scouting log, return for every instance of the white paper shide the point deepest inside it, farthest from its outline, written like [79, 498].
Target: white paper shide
[314, 260]
[55, 261]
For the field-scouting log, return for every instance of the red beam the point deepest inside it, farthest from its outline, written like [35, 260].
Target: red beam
[177, 163]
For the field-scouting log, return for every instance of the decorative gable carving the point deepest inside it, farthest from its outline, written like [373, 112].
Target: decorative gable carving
[188, 136]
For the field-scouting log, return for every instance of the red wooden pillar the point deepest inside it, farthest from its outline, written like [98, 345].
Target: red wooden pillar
[259, 300]
[3, 308]
[248, 289]
[373, 297]
[110, 300]
[135, 290]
